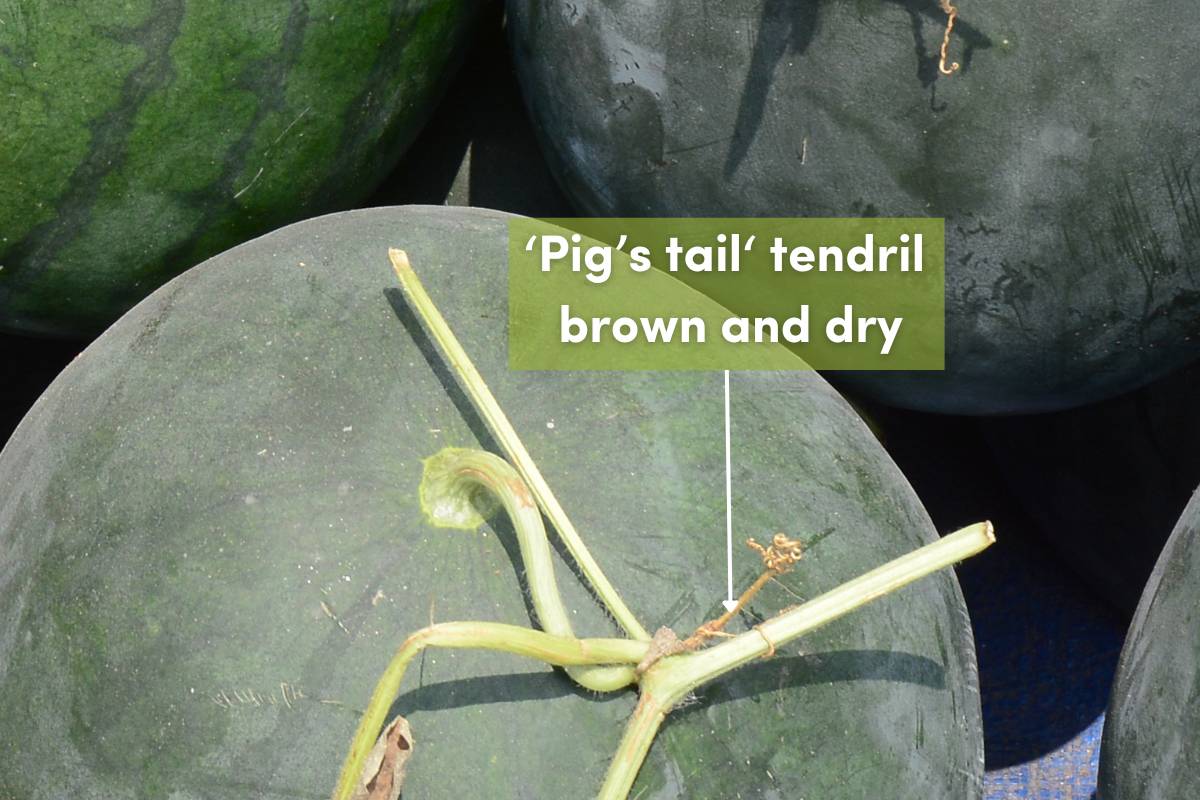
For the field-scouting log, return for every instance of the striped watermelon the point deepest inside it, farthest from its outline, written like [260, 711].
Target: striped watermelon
[141, 137]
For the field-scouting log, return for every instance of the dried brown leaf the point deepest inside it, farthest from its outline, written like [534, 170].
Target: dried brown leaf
[665, 643]
[383, 774]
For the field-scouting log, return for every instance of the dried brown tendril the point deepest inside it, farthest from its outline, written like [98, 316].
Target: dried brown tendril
[781, 555]
[951, 15]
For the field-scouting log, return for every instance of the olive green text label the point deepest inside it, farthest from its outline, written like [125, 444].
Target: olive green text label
[744, 294]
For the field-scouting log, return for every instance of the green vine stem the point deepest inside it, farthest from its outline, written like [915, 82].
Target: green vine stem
[671, 679]
[447, 495]
[559, 651]
[485, 403]
[447, 490]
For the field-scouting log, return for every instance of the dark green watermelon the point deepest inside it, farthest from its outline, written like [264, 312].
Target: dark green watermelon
[212, 544]
[1151, 750]
[140, 138]
[1064, 155]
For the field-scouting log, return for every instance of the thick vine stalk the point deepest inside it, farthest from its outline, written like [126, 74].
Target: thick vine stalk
[446, 495]
[497, 422]
[557, 650]
[673, 678]
[664, 677]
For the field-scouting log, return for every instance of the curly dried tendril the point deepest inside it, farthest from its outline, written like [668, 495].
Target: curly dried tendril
[951, 15]
[779, 557]
[782, 554]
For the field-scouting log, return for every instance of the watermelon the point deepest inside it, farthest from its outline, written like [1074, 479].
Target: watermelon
[1064, 155]
[1150, 750]
[212, 544]
[1107, 482]
[140, 138]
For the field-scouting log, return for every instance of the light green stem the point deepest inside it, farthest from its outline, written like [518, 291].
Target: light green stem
[485, 403]
[449, 478]
[557, 650]
[635, 744]
[606, 662]
[674, 677]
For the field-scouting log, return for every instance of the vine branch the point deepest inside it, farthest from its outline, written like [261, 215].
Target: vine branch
[497, 422]
[446, 497]
[561, 651]
[666, 669]
[674, 677]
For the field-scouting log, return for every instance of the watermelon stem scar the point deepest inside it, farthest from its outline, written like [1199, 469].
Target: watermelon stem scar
[951, 15]
[459, 486]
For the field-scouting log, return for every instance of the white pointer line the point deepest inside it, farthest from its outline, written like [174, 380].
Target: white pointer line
[730, 603]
